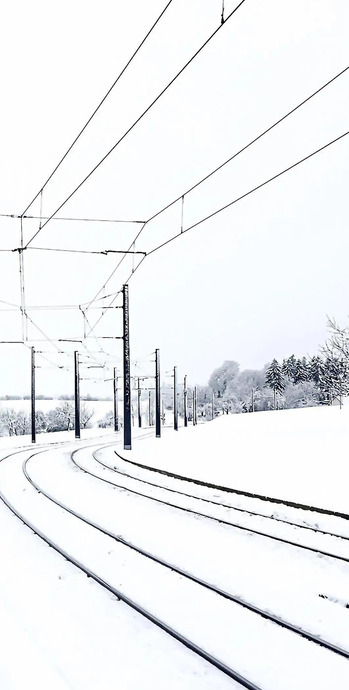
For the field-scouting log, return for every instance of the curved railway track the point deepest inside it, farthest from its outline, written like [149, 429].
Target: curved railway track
[189, 644]
[220, 520]
[212, 502]
[244, 682]
[171, 566]
[239, 492]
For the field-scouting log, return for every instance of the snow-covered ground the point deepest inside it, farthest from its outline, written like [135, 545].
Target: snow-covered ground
[300, 455]
[60, 630]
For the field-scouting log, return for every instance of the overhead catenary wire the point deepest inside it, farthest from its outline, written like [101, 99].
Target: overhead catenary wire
[182, 196]
[102, 252]
[99, 105]
[140, 117]
[231, 203]
[75, 220]
[250, 143]
[251, 191]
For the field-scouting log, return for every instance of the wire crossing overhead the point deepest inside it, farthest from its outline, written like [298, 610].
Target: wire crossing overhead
[135, 123]
[98, 106]
[251, 191]
[231, 203]
[211, 174]
[247, 146]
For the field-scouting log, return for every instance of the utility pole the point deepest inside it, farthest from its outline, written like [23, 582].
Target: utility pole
[127, 367]
[139, 393]
[212, 404]
[33, 395]
[77, 394]
[175, 408]
[149, 407]
[193, 408]
[157, 395]
[116, 402]
[196, 404]
[185, 401]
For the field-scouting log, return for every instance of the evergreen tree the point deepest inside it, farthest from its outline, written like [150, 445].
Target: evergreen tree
[316, 370]
[274, 379]
[289, 367]
[335, 379]
[301, 373]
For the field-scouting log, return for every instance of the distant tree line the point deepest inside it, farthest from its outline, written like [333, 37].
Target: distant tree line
[61, 418]
[302, 382]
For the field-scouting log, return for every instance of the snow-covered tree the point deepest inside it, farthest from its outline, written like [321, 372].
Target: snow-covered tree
[14, 423]
[61, 418]
[274, 379]
[222, 376]
[289, 367]
[301, 373]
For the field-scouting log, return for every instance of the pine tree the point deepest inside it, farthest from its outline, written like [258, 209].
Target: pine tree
[289, 367]
[274, 379]
[316, 370]
[301, 373]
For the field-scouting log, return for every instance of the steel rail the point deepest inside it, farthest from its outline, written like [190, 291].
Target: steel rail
[217, 663]
[190, 576]
[210, 517]
[240, 492]
[224, 505]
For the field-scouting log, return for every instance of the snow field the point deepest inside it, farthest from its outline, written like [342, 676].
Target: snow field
[249, 633]
[64, 631]
[300, 455]
[281, 578]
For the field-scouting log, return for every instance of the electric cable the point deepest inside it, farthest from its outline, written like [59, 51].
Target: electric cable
[250, 143]
[162, 92]
[99, 106]
[222, 165]
[231, 203]
[251, 191]
[77, 220]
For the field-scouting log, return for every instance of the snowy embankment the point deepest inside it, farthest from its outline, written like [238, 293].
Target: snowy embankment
[72, 634]
[299, 455]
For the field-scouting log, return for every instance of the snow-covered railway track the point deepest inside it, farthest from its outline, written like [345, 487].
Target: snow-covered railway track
[239, 492]
[191, 645]
[190, 576]
[273, 503]
[208, 656]
[339, 539]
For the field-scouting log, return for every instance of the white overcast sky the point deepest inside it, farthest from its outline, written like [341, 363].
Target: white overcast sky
[253, 283]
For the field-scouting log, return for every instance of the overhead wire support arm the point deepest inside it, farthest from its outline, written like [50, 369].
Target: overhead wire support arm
[140, 117]
[75, 220]
[213, 172]
[99, 105]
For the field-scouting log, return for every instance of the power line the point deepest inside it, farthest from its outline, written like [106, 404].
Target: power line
[250, 143]
[13, 216]
[213, 172]
[99, 105]
[136, 121]
[231, 203]
[251, 191]
[102, 252]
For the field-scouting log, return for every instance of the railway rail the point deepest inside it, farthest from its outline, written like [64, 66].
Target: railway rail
[189, 644]
[244, 682]
[238, 509]
[220, 520]
[171, 566]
